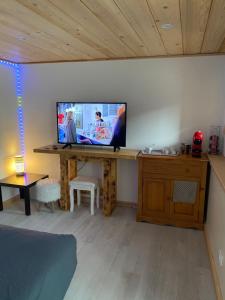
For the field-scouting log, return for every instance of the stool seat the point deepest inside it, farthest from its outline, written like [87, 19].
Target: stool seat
[46, 190]
[84, 183]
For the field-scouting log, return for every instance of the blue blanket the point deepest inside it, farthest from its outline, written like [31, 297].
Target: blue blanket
[35, 265]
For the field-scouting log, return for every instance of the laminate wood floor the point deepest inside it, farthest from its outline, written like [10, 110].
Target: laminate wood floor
[120, 259]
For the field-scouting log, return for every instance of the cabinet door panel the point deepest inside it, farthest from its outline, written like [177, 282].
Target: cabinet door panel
[185, 200]
[155, 198]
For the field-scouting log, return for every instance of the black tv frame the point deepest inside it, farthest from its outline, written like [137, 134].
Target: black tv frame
[85, 102]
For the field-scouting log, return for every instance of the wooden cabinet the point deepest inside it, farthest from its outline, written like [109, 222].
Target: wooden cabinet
[172, 190]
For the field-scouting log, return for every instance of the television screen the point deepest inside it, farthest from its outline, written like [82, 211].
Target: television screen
[102, 124]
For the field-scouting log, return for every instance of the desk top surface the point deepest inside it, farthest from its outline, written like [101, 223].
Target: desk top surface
[86, 151]
[25, 180]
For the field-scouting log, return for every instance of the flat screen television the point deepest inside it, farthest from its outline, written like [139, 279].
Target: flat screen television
[92, 123]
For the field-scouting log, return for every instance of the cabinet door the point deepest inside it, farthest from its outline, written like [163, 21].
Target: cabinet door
[156, 194]
[184, 202]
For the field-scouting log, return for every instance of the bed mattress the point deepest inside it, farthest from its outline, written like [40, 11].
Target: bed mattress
[35, 265]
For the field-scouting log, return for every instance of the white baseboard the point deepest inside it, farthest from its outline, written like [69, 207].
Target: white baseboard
[215, 275]
[126, 204]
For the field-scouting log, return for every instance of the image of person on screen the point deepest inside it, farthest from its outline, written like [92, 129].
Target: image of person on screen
[98, 117]
[101, 130]
[119, 134]
[70, 129]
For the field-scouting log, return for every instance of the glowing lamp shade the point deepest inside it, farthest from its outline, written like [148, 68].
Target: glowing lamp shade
[19, 165]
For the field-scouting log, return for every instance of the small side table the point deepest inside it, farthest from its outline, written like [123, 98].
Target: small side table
[23, 183]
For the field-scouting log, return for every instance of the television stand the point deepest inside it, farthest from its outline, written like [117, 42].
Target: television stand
[69, 159]
[116, 148]
[67, 145]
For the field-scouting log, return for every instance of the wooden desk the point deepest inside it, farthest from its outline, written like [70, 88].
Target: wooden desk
[23, 183]
[68, 169]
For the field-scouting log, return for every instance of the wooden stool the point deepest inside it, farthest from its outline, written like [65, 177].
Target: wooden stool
[83, 183]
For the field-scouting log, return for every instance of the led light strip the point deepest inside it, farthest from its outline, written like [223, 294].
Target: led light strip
[19, 98]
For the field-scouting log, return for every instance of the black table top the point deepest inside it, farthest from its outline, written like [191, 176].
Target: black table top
[26, 180]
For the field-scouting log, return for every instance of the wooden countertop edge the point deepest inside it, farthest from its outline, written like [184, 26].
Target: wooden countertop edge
[130, 154]
[217, 163]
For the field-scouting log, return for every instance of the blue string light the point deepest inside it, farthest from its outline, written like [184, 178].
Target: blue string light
[19, 99]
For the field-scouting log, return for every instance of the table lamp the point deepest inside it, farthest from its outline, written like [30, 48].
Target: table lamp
[19, 165]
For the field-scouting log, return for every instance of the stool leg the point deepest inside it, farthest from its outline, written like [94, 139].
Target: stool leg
[78, 197]
[97, 196]
[92, 201]
[71, 200]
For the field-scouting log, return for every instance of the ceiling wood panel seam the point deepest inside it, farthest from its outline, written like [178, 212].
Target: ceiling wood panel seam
[221, 46]
[156, 26]
[181, 27]
[73, 38]
[87, 43]
[131, 26]
[203, 40]
[122, 41]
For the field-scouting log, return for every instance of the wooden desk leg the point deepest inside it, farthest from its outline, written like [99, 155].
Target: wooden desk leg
[1, 202]
[109, 186]
[64, 201]
[72, 168]
[72, 172]
[113, 183]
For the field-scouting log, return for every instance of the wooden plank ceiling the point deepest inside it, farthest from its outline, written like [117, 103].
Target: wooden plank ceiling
[74, 30]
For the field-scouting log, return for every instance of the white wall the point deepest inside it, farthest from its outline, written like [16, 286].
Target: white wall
[224, 134]
[215, 225]
[168, 99]
[8, 125]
